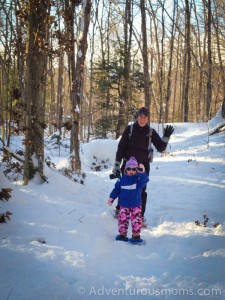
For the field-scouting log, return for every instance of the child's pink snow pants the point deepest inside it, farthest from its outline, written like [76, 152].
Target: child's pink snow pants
[127, 214]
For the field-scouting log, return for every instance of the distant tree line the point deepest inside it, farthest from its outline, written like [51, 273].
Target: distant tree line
[86, 65]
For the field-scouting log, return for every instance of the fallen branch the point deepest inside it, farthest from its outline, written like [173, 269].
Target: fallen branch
[10, 293]
[218, 129]
[14, 155]
[71, 211]
[81, 219]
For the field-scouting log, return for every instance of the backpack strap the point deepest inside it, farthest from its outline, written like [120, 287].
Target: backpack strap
[150, 149]
[150, 137]
[131, 130]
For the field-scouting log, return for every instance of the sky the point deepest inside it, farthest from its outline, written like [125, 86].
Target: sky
[60, 241]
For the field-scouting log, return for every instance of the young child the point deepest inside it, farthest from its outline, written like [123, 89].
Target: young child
[128, 188]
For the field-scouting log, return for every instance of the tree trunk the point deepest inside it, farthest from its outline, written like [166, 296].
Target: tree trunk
[187, 60]
[77, 86]
[223, 109]
[199, 86]
[209, 77]
[147, 79]
[124, 97]
[168, 91]
[52, 110]
[34, 89]
[91, 91]
[158, 72]
[220, 56]
[60, 93]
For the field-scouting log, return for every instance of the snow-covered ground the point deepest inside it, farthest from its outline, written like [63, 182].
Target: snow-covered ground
[60, 242]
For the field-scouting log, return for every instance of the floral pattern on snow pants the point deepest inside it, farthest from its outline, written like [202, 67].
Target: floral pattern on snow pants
[127, 214]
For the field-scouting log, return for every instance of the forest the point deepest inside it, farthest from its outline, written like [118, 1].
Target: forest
[86, 66]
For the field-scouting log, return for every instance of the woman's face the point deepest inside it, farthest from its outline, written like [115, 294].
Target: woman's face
[142, 120]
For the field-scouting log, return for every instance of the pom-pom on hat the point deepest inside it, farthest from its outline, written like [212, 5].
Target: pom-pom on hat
[132, 162]
[143, 111]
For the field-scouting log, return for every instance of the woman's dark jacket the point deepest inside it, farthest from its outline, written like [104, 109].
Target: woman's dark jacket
[137, 144]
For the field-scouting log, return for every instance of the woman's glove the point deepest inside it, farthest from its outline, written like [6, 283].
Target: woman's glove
[167, 133]
[116, 169]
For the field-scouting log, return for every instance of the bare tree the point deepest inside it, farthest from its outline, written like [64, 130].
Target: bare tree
[223, 109]
[187, 60]
[200, 64]
[219, 42]
[77, 85]
[209, 50]
[147, 79]
[6, 61]
[159, 55]
[125, 93]
[35, 83]
[169, 75]
[92, 50]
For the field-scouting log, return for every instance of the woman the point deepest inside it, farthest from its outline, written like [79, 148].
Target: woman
[135, 142]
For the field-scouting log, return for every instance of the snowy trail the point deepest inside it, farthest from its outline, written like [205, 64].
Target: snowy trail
[60, 243]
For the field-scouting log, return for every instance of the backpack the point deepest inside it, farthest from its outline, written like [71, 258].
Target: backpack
[150, 149]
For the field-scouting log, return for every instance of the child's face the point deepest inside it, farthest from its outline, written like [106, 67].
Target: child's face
[131, 171]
